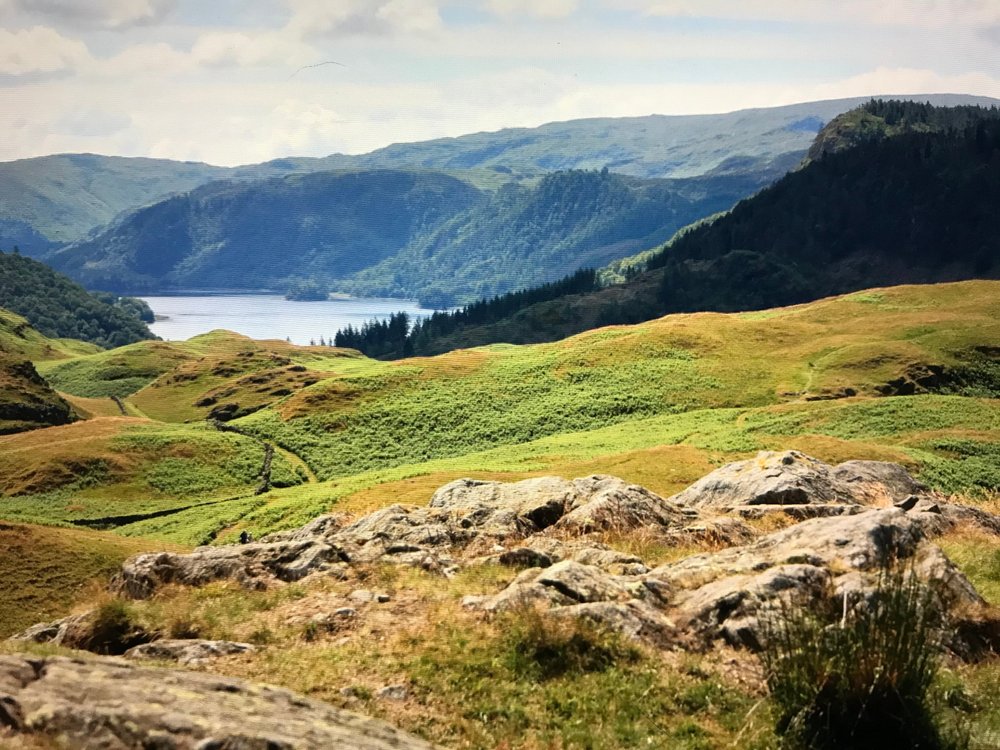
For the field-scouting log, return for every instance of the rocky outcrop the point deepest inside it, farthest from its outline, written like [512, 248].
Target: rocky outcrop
[187, 651]
[728, 595]
[465, 517]
[250, 564]
[111, 704]
[791, 480]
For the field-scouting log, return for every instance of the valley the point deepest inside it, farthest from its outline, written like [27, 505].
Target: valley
[695, 460]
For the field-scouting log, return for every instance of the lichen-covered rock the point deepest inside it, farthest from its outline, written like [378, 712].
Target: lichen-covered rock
[111, 704]
[463, 516]
[188, 650]
[727, 594]
[791, 478]
[250, 564]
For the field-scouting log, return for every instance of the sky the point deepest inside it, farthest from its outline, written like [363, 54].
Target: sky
[242, 81]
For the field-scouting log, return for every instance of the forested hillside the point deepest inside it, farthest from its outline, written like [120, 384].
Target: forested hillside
[60, 308]
[52, 200]
[423, 235]
[911, 204]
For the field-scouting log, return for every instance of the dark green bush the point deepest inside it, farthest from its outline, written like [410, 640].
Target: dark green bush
[114, 629]
[859, 680]
[543, 647]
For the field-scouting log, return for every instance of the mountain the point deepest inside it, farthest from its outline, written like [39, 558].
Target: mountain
[264, 234]
[52, 200]
[60, 308]
[750, 141]
[421, 234]
[910, 202]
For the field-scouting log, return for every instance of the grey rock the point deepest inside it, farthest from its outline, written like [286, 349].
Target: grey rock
[635, 619]
[725, 594]
[112, 704]
[65, 631]
[188, 651]
[728, 594]
[791, 478]
[363, 596]
[250, 564]
[393, 693]
[524, 557]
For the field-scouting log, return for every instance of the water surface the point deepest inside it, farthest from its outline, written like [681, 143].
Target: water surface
[267, 316]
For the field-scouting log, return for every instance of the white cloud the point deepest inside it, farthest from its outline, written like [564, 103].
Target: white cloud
[39, 50]
[313, 18]
[111, 14]
[93, 123]
[537, 8]
[233, 48]
[926, 13]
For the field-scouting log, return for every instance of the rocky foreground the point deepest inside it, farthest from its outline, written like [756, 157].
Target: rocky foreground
[847, 524]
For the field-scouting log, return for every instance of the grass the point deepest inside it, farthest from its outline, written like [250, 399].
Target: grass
[121, 466]
[48, 570]
[864, 682]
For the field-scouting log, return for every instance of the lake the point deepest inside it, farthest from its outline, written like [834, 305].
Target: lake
[267, 316]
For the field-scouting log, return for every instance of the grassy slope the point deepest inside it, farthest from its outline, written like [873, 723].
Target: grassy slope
[659, 403]
[472, 400]
[26, 402]
[47, 570]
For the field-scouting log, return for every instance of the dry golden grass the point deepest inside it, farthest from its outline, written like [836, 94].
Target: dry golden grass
[48, 570]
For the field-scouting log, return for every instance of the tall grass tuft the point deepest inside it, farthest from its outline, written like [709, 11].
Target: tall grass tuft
[541, 646]
[858, 679]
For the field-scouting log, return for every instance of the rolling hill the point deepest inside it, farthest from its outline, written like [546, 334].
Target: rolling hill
[907, 202]
[391, 233]
[51, 200]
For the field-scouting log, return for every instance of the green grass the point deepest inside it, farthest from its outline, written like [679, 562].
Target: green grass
[47, 570]
[123, 467]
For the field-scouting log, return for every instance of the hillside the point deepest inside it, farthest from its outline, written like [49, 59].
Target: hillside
[391, 233]
[905, 374]
[60, 308]
[344, 423]
[52, 200]
[909, 207]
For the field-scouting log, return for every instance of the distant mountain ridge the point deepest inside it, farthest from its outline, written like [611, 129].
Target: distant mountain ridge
[415, 234]
[912, 201]
[51, 200]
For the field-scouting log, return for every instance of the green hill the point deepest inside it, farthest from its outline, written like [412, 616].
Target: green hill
[908, 373]
[60, 308]
[910, 202]
[407, 234]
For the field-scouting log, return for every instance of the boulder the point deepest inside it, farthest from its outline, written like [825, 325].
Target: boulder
[793, 479]
[728, 594]
[187, 650]
[112, 704]
[250, 564]
[605, 503]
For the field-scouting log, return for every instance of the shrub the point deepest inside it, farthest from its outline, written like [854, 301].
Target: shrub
[860, 680]
[541, 646]
[114, 629]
